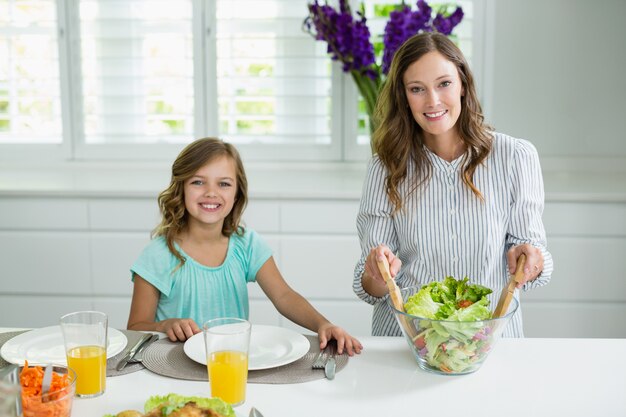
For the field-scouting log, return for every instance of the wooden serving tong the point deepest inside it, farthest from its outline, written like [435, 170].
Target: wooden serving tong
[392, 287]
[509, 290]
[396, 297]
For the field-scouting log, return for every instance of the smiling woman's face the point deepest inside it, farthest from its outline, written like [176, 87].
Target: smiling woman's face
[433, 90]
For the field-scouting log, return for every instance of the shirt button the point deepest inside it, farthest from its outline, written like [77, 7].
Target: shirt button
[453, 237]
[451, 188]
[452, 211]
[455, 259]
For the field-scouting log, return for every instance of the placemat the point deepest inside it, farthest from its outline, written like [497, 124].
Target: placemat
[131, 335]
[168, 358]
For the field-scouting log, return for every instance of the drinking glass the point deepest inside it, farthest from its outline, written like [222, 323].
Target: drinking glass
[85, 337]
[10, 401]
[227, 341]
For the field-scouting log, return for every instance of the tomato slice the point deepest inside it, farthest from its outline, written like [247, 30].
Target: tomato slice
[420, 343]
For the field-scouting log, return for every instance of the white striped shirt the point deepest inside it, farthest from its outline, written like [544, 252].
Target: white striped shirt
[445, 230]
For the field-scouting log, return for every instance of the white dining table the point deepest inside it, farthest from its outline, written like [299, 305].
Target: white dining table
[521, 377]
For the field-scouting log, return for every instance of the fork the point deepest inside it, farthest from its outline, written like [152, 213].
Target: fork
[320, 360]
[255, 413]
[45, 383]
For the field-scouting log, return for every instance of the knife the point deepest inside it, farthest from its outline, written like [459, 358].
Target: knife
[138, 358]
[131, 353]
[329, 368]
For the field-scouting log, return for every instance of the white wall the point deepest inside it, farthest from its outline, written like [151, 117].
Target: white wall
[557, 75]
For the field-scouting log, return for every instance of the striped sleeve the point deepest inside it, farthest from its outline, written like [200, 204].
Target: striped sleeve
[374, 223]
[526, 225]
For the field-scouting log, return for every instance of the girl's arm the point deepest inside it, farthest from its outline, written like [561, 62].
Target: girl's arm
[297, 309]
[143, 311]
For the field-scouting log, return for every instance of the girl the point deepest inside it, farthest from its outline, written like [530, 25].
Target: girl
[201, 258]
[444, 194]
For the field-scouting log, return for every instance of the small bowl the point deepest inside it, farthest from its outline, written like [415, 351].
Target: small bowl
[451, 347]
[55, 403]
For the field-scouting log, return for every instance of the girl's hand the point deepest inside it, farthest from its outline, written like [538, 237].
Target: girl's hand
[179, 329]
[346, 342]
[371, 263]
[534, 261]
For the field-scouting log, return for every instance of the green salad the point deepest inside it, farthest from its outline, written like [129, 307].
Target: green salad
[167, 404]
[455, 337]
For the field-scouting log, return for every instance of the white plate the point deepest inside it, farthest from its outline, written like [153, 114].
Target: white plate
[270, 346]
[45, 345]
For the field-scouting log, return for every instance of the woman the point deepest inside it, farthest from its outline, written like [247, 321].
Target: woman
[445, 195]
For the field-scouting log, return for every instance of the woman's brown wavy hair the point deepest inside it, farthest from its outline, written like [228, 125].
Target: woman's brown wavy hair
[171, 201]
[399, 139]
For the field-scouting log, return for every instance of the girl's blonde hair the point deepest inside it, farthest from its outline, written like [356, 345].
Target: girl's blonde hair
[399, 139]
[171, 201]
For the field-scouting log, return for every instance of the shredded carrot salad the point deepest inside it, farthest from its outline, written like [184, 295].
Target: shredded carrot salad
[59, 399]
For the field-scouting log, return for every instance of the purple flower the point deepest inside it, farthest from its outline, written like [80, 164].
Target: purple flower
[347, 37]
[403, 24]
[446, 24]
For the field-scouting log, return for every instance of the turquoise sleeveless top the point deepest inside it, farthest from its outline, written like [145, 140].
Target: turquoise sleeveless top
[200, 292]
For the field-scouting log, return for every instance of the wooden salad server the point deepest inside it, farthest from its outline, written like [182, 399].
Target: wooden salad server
[394, 291]
[396, 296]
[509, 290]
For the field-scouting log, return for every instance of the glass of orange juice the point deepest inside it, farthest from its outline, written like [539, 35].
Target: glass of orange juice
[85, 337]
[227, 341]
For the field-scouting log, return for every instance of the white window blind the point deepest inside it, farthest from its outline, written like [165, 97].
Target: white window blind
[136, 75]
[30, 103]
[136, 79]
[275, 82]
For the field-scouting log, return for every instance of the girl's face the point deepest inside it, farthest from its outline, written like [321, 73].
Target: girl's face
[210, 193]
[433, 89]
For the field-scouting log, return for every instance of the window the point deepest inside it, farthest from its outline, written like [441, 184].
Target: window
[274, 82]
[135, 83]
[136, 71]
[30, 96]
[137, 79]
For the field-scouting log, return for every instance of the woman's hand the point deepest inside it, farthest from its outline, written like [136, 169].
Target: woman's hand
[179, 329]
[346, 342]
[534, 261]
[371, 263]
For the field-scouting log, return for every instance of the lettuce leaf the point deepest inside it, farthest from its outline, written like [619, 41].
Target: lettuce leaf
[443, 300]
[475, 312]
[422, 304]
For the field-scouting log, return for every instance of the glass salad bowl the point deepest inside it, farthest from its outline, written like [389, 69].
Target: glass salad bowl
[451, 347]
